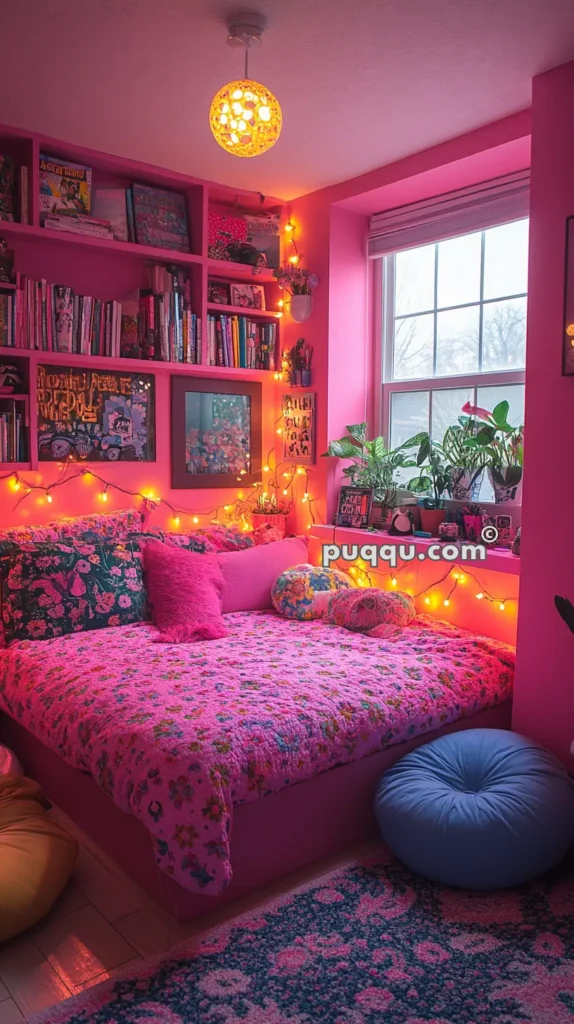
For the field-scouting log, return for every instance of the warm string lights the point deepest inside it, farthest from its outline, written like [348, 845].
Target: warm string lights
[281, 480]
[456, 575]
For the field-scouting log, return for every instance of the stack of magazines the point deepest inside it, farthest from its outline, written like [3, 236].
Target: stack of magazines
[70, 201]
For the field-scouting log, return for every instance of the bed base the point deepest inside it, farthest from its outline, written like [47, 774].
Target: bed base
[271, 837]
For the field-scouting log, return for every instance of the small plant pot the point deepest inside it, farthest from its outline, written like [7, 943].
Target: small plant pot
[473, 527]
[296, 378]
[277, 520]
[431, 518]
[506, 493]
[466, 483]
[306, 378]
[300, 307]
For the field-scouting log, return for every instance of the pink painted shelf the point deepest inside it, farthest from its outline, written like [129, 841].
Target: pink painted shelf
[142, 365]
[217, 307]
[5, 467]
[224, 270]
[496, 560]
[142, 252]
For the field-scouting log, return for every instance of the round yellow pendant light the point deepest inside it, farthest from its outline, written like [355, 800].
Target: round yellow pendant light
[245, 117]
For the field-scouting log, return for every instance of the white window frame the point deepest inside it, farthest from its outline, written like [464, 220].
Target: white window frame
[383, 335]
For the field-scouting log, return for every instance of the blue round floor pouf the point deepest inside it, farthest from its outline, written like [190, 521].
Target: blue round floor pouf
[478, 809]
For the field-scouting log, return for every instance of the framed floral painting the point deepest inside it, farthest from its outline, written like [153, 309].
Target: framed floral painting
[215, 432]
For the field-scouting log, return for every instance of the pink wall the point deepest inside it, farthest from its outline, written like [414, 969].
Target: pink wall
[544, 697]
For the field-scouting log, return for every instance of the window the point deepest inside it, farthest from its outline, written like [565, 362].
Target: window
[453, 330]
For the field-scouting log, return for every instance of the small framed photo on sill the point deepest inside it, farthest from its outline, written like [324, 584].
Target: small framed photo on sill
[248, 296]
[568, 336]
[354, 508]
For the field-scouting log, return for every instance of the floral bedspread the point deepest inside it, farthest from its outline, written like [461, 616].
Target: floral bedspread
[179, 734]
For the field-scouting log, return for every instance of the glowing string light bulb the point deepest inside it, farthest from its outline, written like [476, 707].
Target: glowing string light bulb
[427, 600]
[479, 596]
[176, 520]
[195, 520]
[393, 581]
[49, 497]
[502, 606]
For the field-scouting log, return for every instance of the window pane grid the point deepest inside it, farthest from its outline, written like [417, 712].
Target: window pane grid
[495, 339]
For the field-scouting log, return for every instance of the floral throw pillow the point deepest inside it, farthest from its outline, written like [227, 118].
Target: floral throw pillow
[293, 593]
[56, 588]
[181, 540]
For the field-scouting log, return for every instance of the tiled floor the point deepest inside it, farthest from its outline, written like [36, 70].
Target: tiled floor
[101, 923]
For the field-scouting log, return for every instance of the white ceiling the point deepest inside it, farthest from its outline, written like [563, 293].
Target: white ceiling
[361, 82]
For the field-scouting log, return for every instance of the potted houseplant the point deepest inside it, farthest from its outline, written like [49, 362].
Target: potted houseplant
[473, 519]
[502, 446]
[466, 460]
[434, 477]
[299, 284]
[372, 465]
[269, 511]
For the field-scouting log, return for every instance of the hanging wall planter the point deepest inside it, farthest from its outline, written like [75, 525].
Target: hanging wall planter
[300, 307]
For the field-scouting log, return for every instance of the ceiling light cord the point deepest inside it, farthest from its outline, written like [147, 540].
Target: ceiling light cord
[247, 45]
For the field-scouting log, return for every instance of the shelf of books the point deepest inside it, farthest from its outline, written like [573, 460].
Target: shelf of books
[110, 263]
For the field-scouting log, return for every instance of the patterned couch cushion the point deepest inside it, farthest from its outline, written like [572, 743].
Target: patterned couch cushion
[56, 588]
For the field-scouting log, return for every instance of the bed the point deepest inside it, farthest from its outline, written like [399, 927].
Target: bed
[242, 758]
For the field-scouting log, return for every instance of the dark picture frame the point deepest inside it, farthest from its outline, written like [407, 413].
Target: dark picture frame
[568, 327]
[354, 508]
[194, 411]
[94, 415]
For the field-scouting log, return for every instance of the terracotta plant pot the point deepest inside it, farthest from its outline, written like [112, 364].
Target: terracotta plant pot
[431, 518]
[278, 521]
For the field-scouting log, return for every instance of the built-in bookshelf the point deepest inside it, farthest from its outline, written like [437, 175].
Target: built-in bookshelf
[115, 272]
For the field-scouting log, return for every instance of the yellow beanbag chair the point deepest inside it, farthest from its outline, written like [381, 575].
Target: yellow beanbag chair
[36, 856]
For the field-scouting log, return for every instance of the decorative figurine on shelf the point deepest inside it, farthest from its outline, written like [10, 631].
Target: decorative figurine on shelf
[401, 523]
[297, 363]
[244, 252]
[298, 283]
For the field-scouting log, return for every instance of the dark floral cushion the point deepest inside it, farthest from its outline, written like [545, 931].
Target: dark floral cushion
[182, 540]
[104, 525]
[56, 588]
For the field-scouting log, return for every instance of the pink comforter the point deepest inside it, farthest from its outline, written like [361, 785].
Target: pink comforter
[177, 735]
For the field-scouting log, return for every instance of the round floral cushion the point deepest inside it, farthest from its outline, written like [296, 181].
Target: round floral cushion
[293, 592]
[364, 610]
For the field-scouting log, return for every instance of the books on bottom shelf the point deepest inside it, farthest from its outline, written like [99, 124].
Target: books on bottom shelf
[238, 342]
[12, 432]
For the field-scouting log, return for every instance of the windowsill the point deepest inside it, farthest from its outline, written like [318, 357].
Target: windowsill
[497, 559]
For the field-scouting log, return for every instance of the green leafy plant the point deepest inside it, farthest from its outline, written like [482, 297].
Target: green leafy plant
[434, 475]
[499, 443]
[458, 445]
[373, 464]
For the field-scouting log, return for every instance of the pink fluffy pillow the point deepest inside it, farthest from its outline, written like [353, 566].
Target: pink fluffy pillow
[250, 574]
[184, 591]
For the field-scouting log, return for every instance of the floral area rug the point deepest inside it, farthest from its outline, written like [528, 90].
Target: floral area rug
[369, 943]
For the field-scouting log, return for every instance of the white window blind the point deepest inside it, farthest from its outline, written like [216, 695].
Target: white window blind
[476, 208]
